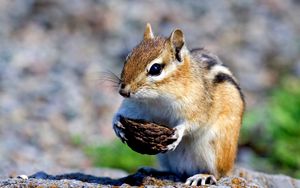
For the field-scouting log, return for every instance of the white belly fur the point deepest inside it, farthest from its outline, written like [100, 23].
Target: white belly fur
[193, 155]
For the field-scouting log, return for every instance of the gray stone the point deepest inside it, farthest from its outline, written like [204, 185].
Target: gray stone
[150, 177]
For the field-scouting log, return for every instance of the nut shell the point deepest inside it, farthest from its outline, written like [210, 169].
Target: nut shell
[146, 137]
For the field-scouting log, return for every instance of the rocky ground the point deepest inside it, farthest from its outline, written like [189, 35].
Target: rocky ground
[148, 177]
[53, 54]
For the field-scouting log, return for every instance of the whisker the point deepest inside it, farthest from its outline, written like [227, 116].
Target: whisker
[114, 75]
[110, 78]
[109, 84]
[111, 75]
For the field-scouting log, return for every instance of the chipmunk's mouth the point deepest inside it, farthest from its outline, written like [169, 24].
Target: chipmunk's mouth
[146, 94]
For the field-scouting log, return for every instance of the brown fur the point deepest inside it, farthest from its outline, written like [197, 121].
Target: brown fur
[141, 55]
[228, 109]
[177, 86]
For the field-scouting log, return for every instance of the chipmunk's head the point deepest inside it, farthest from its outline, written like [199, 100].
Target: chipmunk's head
[156, 67]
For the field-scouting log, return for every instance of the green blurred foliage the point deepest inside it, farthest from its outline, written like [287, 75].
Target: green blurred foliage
[118, 155]
[273, 131]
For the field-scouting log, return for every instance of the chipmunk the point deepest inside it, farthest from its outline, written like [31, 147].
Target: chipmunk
[191, 91]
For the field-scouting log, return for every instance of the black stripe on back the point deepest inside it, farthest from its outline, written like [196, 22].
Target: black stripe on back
[197, 49]
[210, 61]
[202, 54]
[222, 77]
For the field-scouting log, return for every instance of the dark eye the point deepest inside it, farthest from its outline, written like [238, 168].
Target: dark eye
[155, 69]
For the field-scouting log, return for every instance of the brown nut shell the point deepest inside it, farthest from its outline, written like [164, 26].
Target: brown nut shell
[146, 137]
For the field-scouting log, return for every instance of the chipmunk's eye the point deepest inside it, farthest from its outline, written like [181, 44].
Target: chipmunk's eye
[155, 69]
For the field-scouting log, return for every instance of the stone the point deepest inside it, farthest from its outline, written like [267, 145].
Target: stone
[150, 177]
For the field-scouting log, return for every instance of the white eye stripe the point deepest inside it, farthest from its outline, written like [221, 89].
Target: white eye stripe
[166, 71]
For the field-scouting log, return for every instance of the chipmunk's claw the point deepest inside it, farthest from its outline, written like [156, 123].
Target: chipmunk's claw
[118, 128]
[179, 131]
[201, 179]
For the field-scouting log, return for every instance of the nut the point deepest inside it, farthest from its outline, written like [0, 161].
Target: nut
[147, 137]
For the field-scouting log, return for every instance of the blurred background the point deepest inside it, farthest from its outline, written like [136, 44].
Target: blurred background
[56, 111]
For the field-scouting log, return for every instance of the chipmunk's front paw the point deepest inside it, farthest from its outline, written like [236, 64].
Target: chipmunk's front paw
[201, 179]
[179, 131]
[119, 128]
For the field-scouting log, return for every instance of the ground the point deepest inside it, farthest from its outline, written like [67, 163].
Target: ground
[147, 177]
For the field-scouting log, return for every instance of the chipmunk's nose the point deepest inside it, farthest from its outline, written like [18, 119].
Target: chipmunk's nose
[123, 91]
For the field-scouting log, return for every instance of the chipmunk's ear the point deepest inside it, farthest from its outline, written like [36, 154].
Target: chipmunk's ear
[148, 34]
[177, 42]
